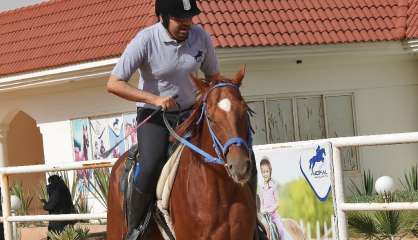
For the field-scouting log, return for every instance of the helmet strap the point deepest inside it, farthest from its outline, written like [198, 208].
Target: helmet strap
[166, 20]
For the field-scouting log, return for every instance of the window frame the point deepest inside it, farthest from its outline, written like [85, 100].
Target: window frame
[293, 98]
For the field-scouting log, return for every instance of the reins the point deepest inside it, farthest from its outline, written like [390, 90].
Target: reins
[220, 149]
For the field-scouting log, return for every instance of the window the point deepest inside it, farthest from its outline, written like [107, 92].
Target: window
[301, 118]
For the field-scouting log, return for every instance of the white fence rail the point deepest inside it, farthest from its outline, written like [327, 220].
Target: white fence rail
[341, 207]
[6, 171]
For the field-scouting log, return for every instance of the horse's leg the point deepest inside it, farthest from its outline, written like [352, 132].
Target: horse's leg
[116, 223]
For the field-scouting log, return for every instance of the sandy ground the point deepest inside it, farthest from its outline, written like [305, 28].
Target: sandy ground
[40, 233]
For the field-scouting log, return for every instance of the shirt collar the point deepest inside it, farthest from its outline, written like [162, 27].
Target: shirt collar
[165, 35]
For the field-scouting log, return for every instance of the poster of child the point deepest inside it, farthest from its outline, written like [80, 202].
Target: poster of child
[288, 207]
[269, 204]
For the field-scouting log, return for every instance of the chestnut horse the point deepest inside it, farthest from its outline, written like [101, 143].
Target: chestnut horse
[208, 200]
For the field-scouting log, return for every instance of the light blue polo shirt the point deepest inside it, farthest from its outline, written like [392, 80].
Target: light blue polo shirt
[165, 65]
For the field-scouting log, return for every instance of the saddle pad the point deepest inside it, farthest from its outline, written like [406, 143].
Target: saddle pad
[164, 186]
[166, 180]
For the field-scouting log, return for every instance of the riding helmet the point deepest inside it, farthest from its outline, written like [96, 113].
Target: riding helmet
[176, 8]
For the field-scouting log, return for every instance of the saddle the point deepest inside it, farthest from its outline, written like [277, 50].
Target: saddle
[127, 187]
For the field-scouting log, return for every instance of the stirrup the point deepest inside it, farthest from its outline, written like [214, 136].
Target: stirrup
[138, 233]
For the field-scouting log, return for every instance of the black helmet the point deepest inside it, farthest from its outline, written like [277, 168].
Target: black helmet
[176, 8]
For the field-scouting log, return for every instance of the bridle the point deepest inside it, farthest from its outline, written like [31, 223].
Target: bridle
[220, 148]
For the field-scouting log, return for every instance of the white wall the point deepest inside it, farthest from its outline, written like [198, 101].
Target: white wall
[385, 90]
[58, 146]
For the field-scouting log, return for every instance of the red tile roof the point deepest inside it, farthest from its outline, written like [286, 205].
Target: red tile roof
[62, 32]
[412, 21]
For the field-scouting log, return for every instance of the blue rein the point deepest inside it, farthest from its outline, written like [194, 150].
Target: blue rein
[220, 149]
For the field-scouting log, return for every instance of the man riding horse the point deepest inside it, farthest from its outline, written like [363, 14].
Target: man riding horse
[166, 54]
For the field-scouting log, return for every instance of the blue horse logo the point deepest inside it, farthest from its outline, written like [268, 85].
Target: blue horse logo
[319, 157]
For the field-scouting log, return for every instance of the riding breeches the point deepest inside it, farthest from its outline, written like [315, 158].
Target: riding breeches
[153, 143]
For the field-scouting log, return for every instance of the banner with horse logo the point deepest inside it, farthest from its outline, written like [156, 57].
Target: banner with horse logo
[293, 192]
[315, 164]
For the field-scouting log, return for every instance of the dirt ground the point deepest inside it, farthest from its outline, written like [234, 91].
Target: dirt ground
[40, 233]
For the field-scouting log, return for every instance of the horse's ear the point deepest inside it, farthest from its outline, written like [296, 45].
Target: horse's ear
[239, 76]
[201, 85]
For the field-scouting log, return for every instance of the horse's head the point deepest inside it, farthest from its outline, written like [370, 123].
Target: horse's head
[227, 119]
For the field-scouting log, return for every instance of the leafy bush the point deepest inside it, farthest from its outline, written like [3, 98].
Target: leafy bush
[410, 179]
[100, 187]
[385, 224]
[366, 187]
[25, 198]
[70, 233]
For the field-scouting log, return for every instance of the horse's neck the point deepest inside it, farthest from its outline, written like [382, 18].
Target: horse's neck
[203, 139]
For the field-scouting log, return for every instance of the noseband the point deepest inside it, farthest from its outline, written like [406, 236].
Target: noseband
[220, 149]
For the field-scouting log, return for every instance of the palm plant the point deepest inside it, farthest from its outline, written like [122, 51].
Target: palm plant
[384, 224]
[81, 202]
[43, 194]
[362, 224]
[410, 179]
[389, 224]
[379, 224]
[100, 187]
[410, 187]
[366, 187]
[24, 197]
[69, 233]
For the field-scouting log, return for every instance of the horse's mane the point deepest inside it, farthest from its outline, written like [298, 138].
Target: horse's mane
[190, 122]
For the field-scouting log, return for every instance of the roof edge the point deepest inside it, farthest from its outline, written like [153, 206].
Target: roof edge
[77, 72]
[259, 53]
[56, 75]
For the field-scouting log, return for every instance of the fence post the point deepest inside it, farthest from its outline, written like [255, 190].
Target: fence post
[6, 206]
[339, 194]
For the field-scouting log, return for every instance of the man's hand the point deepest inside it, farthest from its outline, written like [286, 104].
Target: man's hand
[167, 102]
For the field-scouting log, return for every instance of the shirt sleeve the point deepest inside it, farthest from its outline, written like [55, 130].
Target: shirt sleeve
[210, 64]
[131, 58]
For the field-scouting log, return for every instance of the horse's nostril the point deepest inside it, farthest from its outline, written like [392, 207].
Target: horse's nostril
[230, 166]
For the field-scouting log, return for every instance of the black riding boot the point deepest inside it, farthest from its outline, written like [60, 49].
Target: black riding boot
[138, 206]
[261, 233]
